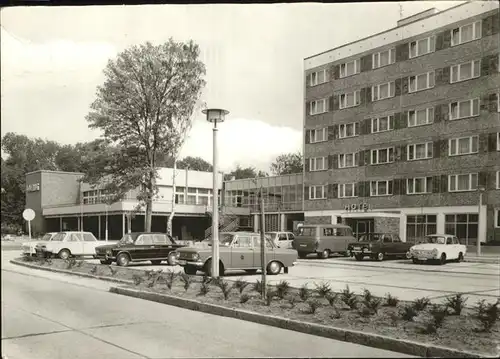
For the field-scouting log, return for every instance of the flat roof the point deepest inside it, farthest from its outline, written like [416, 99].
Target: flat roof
[48, 171]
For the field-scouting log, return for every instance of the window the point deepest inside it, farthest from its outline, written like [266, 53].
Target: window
[464, 226]
[421, 82]
[384, 58]
[422, 47]
[347, 130]
[348, 160]
[89, 237]
[420, 151]
[463, 145]
[462, 182]
[347, 190]
[383, 91]
[380, 188]
[242, 242]
[145, 240]
[498, 180]
[256, 243]
[317, 192]
[420, 117]
[317, 163]
[464, 109]
[419, 226]
[382, 155]
[418, 185]
[318, 135]
[497, 218]
[318, 106]
[349, 99]
[159, 239]
[498, 141]
[318, 78]
[466, 33]
[382, 124]
[465, 71]
[350, 68]
[90, 197]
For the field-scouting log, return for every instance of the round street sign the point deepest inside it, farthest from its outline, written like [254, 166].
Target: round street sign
[28, 214]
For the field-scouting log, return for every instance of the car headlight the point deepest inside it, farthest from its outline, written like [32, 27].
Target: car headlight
[177, 254]
[435, 252]
[196, 256]
[109, 252]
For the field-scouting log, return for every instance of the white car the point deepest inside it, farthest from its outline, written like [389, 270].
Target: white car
[66, 244]
[282, 239]
[438, 247]
[28, 248]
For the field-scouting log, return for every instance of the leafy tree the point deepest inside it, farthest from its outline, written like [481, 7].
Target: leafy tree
[287, 164]
[242, 173]
[144, 110]
[195, 164]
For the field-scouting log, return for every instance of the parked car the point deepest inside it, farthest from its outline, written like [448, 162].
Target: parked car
[282, 239]
[28, 248]
[438, 247]
[139, 246]
[237, 251]
[323, 239]
[67, 244]
[378, 246]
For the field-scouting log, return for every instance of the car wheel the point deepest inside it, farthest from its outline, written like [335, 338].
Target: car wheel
[190, 270]
[172, 260]
[64, 254]
[274, 268]
[325, 254]
[359, 257]
[106, 261]
[442, 260]
[345, 254]
[408, 255]
[156, 262]
[460, 257]
[380, 256]
[251, 271]
[123, 259]
[302, 255]
[208, 268]
[415, 261]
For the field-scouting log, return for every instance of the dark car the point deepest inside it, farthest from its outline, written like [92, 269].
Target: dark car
[378, 246]
[139, 246]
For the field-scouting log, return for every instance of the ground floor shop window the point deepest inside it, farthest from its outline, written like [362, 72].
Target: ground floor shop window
[464, 226]
[419, 226]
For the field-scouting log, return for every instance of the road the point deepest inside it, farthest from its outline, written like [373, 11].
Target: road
[51, 315]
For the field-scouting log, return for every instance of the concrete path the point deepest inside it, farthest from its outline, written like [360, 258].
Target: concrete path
[57, 316]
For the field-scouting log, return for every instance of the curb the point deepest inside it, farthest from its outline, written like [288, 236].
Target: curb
[65, 271]
[346, 335]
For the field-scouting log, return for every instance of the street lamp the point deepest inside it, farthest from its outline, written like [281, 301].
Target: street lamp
[215, 115]
[480, 189]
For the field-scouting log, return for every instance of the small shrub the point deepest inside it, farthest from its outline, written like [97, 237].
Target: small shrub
[270, 296]
[187, 280]
[257, 286]
[304, 292]
[487, 314]
[456, 303]
[112, 270]
[313, 305]
[79, 263]
[204, 288]
[438, 314]
[336, 313]
[206, 278]
[374, 304]
[170, 278]
[240, 285]
[367, 295]
[292, 300]
[394, 319]
[349, 298]
[70, 263]
[282, 289]
[365, 312]
[323, 289]
[421, 303]
[149, 274]
[408, 312]
[93, 270]
[244, 298]
[391, 301]
[225, 288]
[137, 279]
[332, 297]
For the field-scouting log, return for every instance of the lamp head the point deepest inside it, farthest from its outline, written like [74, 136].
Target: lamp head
[215, 115]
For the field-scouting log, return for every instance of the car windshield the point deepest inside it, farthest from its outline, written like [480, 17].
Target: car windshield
[369, 238]
[126, 239]
[46, 237]
[59, 237]
[270, 234]
[435, 239]
[225, 239]
[307, 231]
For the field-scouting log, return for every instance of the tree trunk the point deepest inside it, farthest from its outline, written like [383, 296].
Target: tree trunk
[149, 214]
[172, 213]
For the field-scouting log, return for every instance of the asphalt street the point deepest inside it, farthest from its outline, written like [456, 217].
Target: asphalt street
[51, 315]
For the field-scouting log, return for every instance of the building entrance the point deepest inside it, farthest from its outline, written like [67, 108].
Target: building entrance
[360, 226]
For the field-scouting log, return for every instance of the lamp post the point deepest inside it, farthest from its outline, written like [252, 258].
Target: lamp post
[480, 189]
[215, 115]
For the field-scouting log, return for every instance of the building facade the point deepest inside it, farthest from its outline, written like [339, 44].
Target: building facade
[401, 129]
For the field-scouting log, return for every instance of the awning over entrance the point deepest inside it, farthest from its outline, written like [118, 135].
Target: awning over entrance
[395, 214]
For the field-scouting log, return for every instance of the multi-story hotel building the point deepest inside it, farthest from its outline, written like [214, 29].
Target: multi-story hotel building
[401, 129]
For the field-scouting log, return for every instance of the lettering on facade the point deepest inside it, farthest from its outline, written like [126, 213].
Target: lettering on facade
[33, 187]
[357, 207]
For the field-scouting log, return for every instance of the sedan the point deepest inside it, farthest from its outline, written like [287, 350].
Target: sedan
[439, 248]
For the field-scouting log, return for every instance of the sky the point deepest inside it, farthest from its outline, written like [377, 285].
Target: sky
[52, 60]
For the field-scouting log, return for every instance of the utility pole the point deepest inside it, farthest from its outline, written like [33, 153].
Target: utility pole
[263, 244]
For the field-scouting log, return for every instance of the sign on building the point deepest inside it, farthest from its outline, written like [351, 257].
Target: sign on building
[357, 207]
[33, 187]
